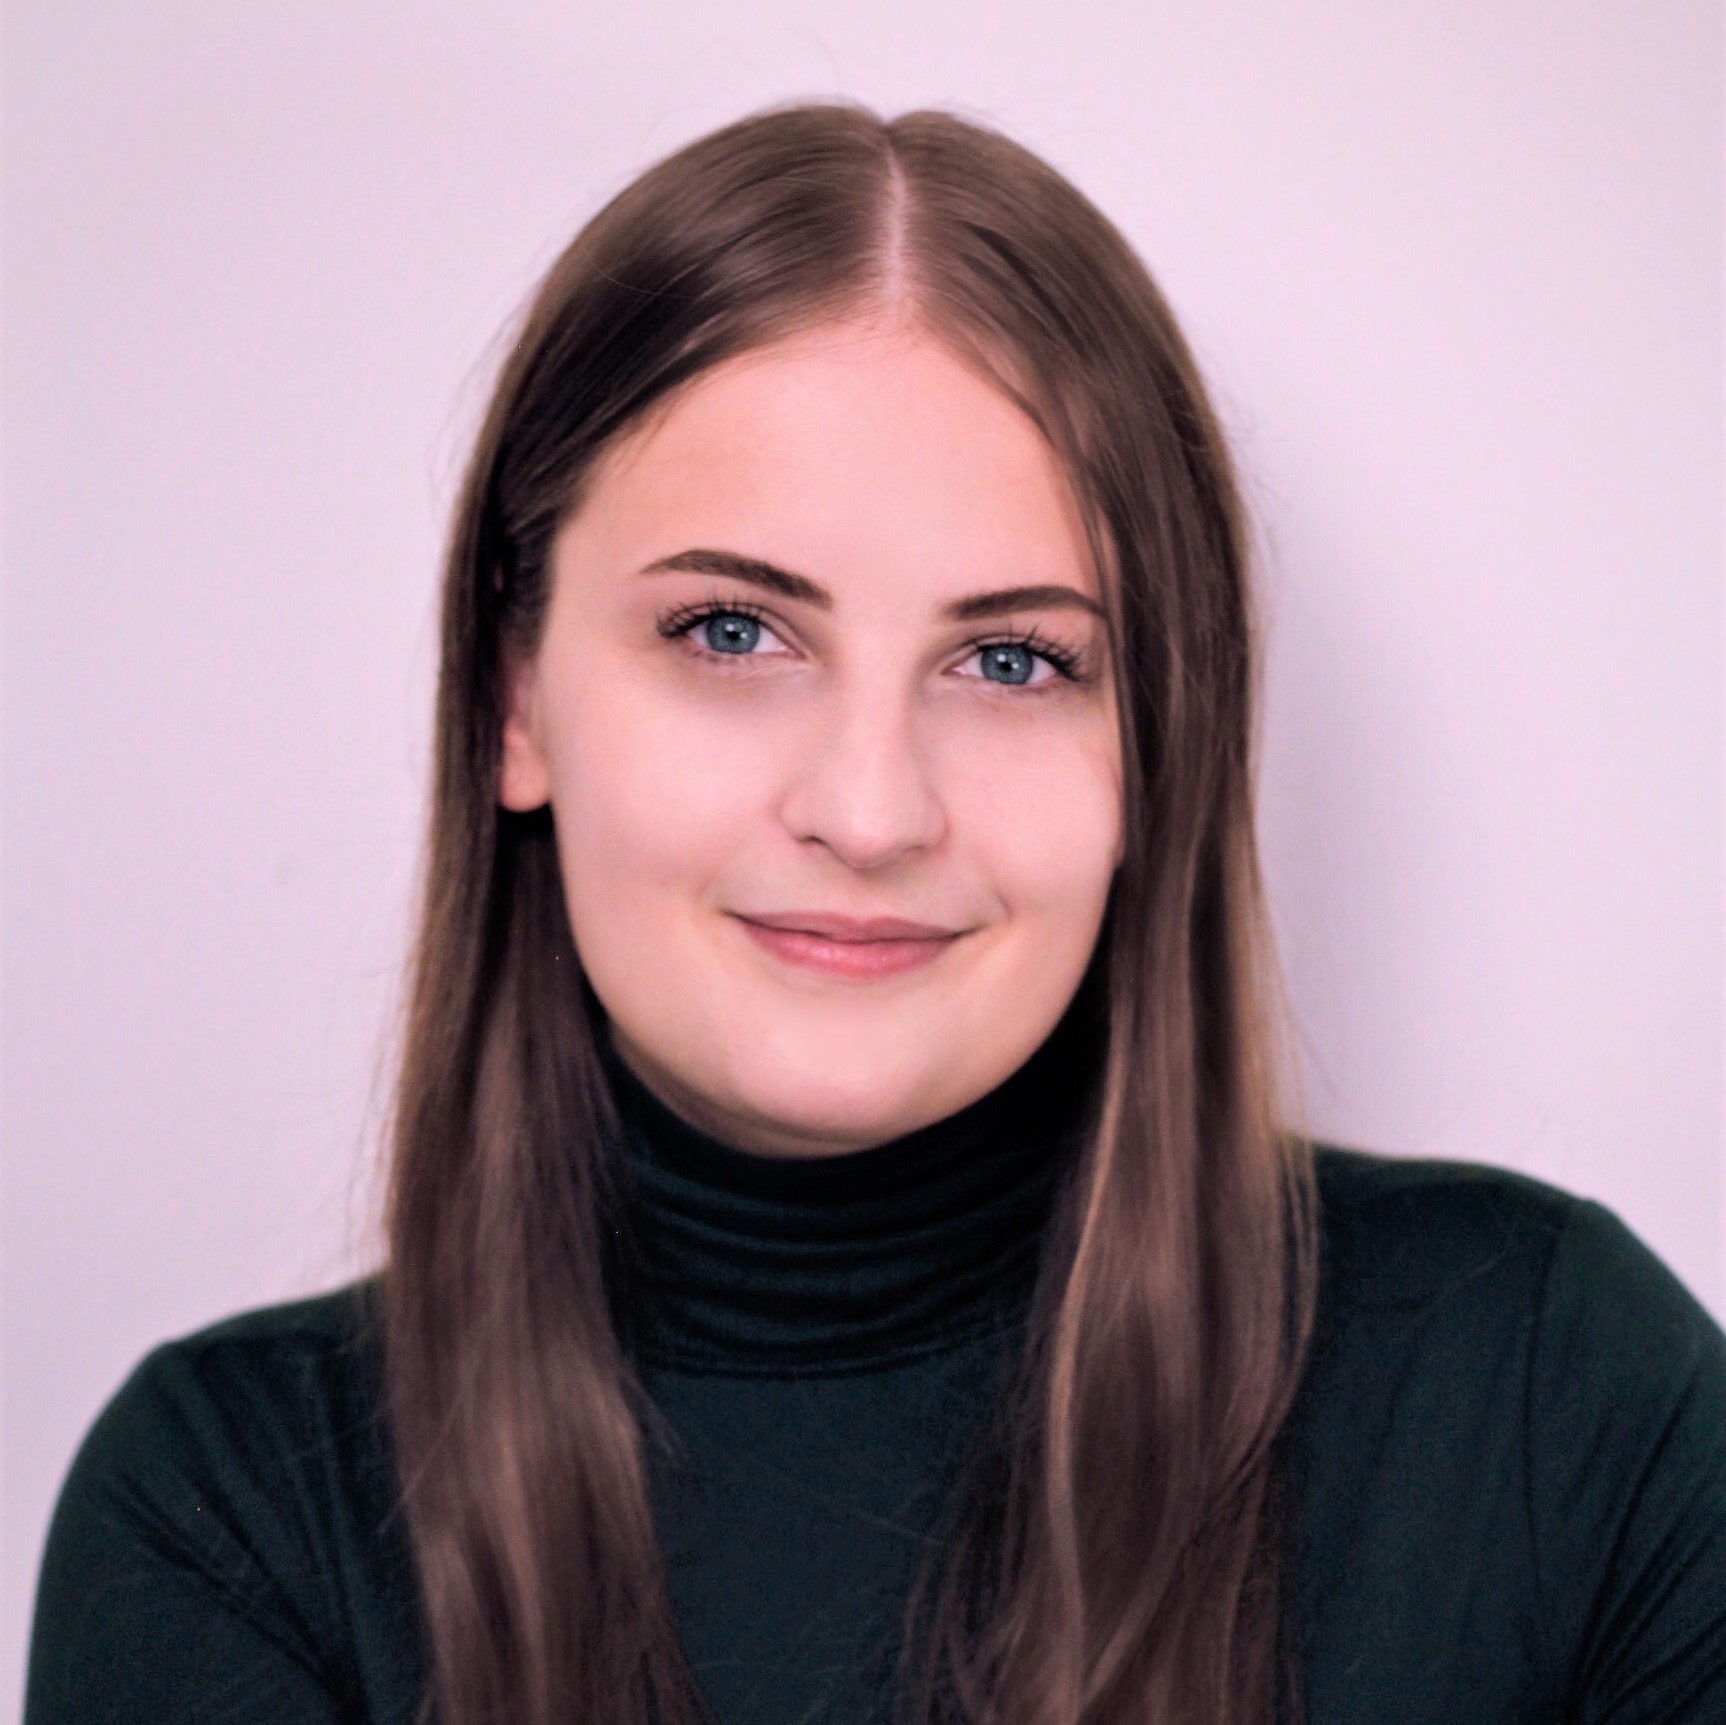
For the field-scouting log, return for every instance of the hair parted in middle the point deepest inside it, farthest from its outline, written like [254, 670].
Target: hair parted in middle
[1118, 1553]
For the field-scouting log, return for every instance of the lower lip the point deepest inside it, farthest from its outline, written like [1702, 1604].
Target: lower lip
[853, 958]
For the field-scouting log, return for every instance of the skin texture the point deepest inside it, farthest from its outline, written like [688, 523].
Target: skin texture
[864, 758]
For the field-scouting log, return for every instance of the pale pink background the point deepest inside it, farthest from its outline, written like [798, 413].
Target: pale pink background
[1454, 267]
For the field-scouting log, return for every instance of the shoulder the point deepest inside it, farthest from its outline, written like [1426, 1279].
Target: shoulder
[1431, 1276]
[231, 1518]
[265, 1380]
[1486, 1258]
[323, 1342]
[1400, 1231]
[1504, 1373]
[231, 1451]
[1413, 1234]
[320, 1332]
[1461, 1261]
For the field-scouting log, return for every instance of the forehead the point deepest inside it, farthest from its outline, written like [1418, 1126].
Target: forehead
[852, 449]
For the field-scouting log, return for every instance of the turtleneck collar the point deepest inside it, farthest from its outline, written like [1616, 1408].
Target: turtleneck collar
[749, 1264]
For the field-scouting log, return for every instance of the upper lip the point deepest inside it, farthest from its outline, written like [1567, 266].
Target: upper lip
[859, 928]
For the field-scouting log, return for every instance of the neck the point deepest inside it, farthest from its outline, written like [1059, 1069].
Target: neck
[761, 1265]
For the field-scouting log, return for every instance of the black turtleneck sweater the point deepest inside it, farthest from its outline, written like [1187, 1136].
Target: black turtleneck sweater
[1507, 1461]
[824, 1335]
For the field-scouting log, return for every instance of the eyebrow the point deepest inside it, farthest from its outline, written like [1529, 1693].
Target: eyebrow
[799, 587]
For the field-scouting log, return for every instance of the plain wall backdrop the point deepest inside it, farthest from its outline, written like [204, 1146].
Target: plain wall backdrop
[1454, 270]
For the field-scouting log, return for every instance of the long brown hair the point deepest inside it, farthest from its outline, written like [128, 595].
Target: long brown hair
[1122, 1559]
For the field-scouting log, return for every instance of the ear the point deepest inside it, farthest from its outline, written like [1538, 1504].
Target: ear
[523, 776]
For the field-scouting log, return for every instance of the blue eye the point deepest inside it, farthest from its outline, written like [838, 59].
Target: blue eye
[1012, 657]
[731, 632]
[1016, 655]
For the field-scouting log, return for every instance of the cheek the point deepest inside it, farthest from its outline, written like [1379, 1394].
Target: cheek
[1044, 818]
[647, 805]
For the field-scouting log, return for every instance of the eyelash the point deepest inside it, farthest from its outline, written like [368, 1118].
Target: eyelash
[1069, 665]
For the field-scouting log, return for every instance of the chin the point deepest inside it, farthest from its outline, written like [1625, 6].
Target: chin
[856, 1095]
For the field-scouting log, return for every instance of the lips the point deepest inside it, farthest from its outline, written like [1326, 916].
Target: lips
[860, 949]
[850, 928]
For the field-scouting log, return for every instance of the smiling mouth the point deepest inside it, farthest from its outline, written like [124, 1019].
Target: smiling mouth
[850, 955]
[836, 926]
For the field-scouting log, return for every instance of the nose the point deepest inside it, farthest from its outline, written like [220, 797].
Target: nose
[864, 785]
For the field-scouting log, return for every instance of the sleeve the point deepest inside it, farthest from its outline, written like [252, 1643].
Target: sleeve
[1626, 1429]
[163, 1595]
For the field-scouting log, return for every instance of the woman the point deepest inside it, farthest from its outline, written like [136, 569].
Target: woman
[846, 1251]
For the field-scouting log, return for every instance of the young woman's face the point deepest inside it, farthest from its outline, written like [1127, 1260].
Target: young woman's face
[772, 686]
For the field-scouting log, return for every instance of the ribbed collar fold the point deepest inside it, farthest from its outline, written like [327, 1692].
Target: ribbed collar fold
[786, 1266]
